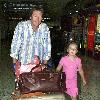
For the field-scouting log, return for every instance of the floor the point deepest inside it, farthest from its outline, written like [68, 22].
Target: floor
[92, 72]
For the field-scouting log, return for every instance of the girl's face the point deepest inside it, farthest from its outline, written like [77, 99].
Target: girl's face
[36, 18]
[72, 50]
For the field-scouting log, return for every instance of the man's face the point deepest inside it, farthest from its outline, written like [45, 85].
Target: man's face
[36, 18]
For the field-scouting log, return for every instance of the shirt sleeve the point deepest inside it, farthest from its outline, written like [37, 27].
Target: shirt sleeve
[47, 43]
[16, 41]
[61, 61]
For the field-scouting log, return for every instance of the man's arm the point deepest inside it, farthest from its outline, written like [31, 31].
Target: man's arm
[14, 60]
[16, 42]
[47, 45]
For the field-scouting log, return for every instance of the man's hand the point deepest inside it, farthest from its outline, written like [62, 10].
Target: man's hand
[45, 62]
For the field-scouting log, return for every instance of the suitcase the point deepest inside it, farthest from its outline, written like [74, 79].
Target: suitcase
[45, 81]
[39, 81]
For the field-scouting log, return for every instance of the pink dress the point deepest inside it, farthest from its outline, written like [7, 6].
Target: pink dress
[70, 68]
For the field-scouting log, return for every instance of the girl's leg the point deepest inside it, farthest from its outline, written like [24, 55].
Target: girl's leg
[73, 98]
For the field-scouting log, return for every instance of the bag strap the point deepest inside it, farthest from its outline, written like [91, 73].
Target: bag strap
[39, 65]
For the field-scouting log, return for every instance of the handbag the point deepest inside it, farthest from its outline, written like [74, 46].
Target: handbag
[33, 66]
[44, 81]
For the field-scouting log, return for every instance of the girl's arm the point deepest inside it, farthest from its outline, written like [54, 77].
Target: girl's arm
[81, 72]
[59, 67]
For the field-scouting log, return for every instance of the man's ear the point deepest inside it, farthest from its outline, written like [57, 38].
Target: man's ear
[30, 17]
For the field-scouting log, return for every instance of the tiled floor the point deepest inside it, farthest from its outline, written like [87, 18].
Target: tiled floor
[89, 92]
[92, 70]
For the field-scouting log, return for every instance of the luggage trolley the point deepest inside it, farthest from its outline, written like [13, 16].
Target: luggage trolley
[37, 95]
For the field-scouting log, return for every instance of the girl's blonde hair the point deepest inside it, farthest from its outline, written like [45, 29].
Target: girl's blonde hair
[66, 47]
[73, 43]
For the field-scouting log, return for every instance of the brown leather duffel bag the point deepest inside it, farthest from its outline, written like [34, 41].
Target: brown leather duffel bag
[44, 81]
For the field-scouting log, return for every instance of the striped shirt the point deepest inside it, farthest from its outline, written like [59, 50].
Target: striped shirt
[26, 43]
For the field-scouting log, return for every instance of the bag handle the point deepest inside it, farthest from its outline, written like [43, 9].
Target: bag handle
[37, 66]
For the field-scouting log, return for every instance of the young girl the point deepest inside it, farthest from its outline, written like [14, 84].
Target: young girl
[70, 65]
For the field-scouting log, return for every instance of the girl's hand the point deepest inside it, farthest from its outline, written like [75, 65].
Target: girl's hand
[84, 82]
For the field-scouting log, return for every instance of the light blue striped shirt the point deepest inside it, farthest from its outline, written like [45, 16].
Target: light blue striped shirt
[26, 43]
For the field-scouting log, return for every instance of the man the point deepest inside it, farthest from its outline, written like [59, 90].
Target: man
[31, 37]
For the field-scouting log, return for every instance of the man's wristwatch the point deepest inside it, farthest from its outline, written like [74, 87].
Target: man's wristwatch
[14, 65]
